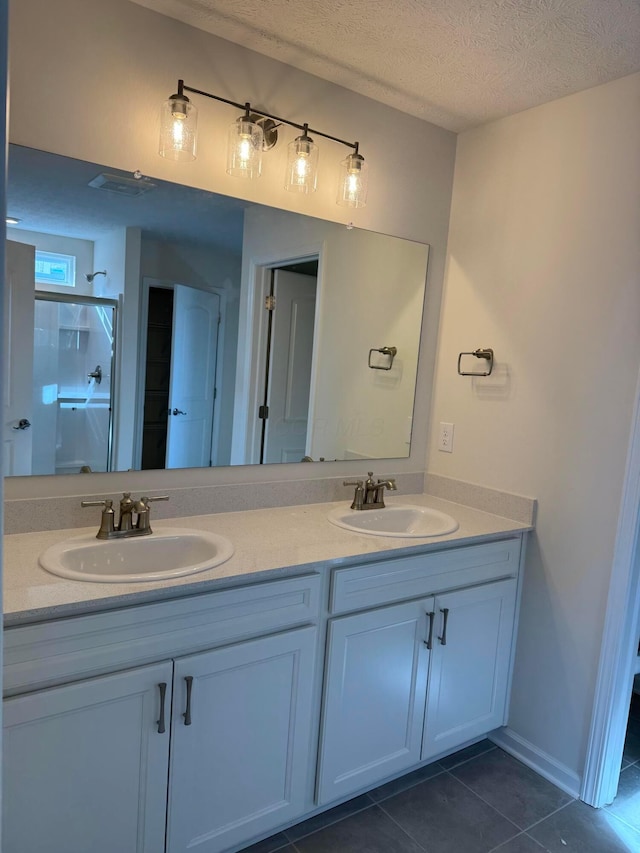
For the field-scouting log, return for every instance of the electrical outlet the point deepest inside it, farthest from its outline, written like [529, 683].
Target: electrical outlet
[445, 440]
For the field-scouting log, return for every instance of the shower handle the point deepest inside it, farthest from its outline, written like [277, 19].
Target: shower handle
[96, 374]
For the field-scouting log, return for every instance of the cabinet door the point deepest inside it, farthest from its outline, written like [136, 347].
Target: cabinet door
[241, 742]
[85, 767]
[374, 697]
[469, 670]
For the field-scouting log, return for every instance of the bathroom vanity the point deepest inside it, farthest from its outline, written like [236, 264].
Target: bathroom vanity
[212, 711]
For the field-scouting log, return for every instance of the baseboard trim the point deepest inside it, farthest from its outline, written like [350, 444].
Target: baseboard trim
[560, 775]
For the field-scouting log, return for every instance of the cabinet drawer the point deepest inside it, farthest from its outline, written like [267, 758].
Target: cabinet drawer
[54, 652]
[409, 577]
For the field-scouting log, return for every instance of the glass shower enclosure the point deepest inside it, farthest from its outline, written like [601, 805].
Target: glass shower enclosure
[73, 371]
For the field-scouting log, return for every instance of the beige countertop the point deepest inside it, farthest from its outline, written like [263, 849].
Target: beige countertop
[269, 543]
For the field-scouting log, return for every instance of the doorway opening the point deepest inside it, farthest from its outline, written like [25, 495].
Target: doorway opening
[178, 424]
[619, 656]
[290, 312]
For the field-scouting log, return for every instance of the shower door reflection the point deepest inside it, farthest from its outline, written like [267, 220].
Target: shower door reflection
[72, 384]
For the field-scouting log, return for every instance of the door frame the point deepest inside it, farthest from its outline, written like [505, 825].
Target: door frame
[247, 438]
[618, 655]
[147, 283]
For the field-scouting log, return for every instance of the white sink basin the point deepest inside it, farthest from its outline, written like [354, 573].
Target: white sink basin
[401, 520]
[170, 553]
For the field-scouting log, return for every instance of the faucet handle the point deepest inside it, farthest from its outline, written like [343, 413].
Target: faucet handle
[358, 497]
[142, 509]
[107, 525]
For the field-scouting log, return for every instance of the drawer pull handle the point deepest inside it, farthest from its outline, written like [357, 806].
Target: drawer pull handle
[429, 641]
[163, 693]
[187, 712]
[445, 614]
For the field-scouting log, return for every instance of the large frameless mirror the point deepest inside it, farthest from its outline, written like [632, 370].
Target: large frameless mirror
[151, 325]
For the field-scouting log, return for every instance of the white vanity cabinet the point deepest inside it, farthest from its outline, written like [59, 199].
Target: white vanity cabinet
[407, 682]
[84, 767]
[195, 723]
[240, 741]
[469, 670]
[103, 764]
[375, 689]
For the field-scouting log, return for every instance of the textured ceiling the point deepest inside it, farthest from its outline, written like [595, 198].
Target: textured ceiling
[456, 63]
[51, 194]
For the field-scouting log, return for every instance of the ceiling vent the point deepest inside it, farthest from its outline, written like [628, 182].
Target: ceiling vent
[121, 184]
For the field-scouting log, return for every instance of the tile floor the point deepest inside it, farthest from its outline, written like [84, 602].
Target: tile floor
[479, 800]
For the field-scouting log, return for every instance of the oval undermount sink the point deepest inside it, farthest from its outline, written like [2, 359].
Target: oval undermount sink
[162, 555]
[401, 520]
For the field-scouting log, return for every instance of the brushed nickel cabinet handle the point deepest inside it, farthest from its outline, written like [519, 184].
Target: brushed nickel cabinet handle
[187, 711]
[429, 641]
[445, 615]
[162, 687]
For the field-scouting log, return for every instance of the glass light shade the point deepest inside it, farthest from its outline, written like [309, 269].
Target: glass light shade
[302, 165]
[178, 125]
[354, 181]
[244, 155]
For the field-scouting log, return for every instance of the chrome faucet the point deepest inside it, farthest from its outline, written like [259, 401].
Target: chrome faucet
[125, 526]
[370, 494]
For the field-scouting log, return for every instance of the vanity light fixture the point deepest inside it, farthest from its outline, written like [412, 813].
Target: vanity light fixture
[246, 141]
[12, 220]
[178, 126]
[252, 133]
[353, 187]
[302, 164]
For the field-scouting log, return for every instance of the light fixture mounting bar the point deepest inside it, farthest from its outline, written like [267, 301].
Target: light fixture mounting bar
[184, 88]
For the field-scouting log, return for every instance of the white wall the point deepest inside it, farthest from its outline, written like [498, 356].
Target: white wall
[121, 61]
[544, 266]
[109, 255]
[370, 294]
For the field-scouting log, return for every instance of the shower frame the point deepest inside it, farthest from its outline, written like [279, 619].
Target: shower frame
[95, 302]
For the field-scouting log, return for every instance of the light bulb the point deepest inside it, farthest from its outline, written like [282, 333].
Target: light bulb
[302, 166]
[178, 131]
[244, 149]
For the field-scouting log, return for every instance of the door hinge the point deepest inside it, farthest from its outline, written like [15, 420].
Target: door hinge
[270, 302]
[215, 393]
[263, 413]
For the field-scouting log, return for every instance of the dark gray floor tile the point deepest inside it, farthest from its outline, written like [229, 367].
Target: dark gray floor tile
[510, 787]
[277, 842]
[465, 754]
[627, 802]
[370, 831]
[446, 817]
[520, 844]
[313, 824]
[405, 782]
[578, 828]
